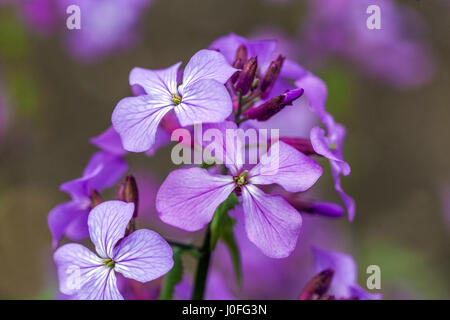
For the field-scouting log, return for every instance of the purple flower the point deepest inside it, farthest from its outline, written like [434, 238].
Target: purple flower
[70, 218]
[188, 198]
[105, 26]
[344, 284]
[143, 255]
[396, 53]
[331, 147]
[201, 97]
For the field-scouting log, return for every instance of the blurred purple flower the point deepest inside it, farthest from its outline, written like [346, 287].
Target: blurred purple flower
[40, 15]
[105, 26]
[70, 218]
[201, 97]
[216, 288]
[143, 255]
[344, 284]
[395, 53]
[188, 198]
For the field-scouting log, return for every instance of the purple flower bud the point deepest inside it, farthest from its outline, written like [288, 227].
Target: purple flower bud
[241, 57]
[268, 109]
[326, 209]
[131, 194]
[301, 144]
[271, 76]
[245, 79]
[96, 198]
[317, 286]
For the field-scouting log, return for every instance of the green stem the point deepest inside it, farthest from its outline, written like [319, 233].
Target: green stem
[202, 268]
[239, 108]
[182, 245]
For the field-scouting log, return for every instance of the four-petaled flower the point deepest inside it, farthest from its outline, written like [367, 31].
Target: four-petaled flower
[188, 198]
[201, 98]
[143, 255]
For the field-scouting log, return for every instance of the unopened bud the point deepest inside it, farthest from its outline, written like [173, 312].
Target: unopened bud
[130, 193]
[241, 57]
[317, 286]
[96, 198]
[301, 144]
[271, 76]
[270, 108]
[120, 192]
[327, 209]
[245, 79]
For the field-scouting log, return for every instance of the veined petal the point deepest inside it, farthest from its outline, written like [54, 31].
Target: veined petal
[102, 286]
[207, 64]
[271, 223]
[159, 84]
[62, 217]
[143, 256]
[107, 223]
[136, 119]
[188, 198]
[76, 265]
[203, 101]
[287, 167]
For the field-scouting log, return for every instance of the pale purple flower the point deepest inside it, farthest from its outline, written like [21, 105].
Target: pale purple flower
[143, 255]
[70, 218]
[202, 97]
[188, 198]
[344, 284]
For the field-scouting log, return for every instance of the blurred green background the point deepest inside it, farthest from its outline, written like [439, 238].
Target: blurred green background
[398, 140]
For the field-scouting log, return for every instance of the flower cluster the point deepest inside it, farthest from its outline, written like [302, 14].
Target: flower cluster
[234, 85]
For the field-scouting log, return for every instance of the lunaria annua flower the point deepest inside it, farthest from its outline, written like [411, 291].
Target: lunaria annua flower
[202, 97]
[143, 255]
[70, 218]
[188, 198]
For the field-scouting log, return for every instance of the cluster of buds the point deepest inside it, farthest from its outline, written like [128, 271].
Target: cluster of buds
[251, 85]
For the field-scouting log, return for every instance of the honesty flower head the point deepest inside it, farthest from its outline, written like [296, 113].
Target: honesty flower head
[143, 255]
[202, 97]
[344, 284]
[188, 198]
[70, 218]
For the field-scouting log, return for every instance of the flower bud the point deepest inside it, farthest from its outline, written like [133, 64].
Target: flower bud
[245, 79]
[130, 193]
[327, 209]
[271, 76]
[240, 58]
[96, 198]
[301, 144]
[317, 286]
[271, 107]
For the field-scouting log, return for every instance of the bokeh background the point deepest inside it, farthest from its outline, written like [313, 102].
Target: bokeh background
[52, 101]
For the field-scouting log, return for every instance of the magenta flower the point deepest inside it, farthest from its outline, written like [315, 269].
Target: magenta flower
[188, 198]
[70, 218]
[201, 97]
[143, 255]
[344, 284]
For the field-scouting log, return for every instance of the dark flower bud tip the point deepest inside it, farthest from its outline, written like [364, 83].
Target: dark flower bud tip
[241, 57]
[271, 76]
[247, 75]
[317, 286]
[131, 194]
[301, 144]
[96, 198]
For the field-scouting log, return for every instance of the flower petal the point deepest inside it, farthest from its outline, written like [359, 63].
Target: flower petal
[207, 64]
[188, 198]
[102, 286]
[271, 223]
[61, 217]
[143, 256]
[156, 83]
[315, 92]
[76, 265]
[287, 167]
[109, 141]
[107, 223]
[136, 119]
[349, 203]
[203, 101]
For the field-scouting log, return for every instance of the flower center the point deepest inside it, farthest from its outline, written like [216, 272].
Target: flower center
[240, 180]
[176, 99]
[109, 263]
[333, 146]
